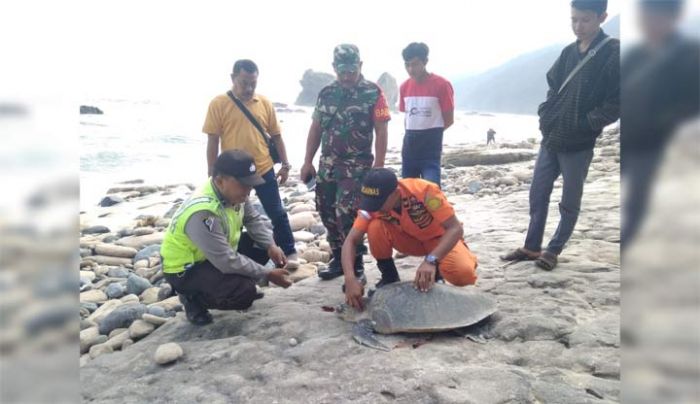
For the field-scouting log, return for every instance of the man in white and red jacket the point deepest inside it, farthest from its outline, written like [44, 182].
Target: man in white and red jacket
[428, 101]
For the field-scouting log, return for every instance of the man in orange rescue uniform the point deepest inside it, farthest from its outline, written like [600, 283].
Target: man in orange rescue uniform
[412, 216]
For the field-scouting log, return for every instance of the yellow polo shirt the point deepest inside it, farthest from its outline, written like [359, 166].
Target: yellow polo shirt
[225, 119]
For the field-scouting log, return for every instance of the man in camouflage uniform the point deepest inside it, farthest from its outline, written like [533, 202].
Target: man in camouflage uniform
[347, 114]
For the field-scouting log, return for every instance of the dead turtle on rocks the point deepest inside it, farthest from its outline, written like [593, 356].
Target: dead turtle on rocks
[399, 308]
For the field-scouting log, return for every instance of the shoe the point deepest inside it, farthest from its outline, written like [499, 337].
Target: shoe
[334, 268]
[389, 272]
[195, 312]
[259, 294]
[292, 262]
[359, 267]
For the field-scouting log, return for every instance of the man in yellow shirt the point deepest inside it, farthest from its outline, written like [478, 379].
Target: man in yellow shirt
[229, 128]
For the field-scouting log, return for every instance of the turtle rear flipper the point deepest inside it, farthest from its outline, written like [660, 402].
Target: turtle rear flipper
[363, 334]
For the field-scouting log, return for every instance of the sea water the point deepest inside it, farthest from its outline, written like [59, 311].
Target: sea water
[162, 142]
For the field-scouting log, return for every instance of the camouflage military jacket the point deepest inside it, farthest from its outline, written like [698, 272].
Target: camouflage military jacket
[347, 120]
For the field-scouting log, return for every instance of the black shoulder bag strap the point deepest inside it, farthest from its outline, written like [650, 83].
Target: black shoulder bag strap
[267, 139]
[248, 115]
[583, 61]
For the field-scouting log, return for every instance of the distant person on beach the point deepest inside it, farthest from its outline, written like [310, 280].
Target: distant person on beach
[583, 98]
[228, 125]
[428, 102]
[348, 112]
[660, 93]
[490, 136]
[206, 257]
[413, 217]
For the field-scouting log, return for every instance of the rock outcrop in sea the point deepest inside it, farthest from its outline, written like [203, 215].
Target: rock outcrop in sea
[311, 84]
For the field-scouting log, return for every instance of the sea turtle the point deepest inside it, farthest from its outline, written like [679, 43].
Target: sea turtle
[399, 307]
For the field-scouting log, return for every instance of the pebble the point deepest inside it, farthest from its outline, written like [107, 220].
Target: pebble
[117, 331]
[147, 252]
[157, 311]
[96, 230]
[85, 324]
[315, 255]
[106, 308]
[142, 231]
[109, 260]
[150, 295]
[118, 272]
[136, 284]
[94, 296]
[171, 303]
[168, 353]
[99, 349]
[88, 276]
[121, 317]
[302, 208]
[293, 342]
[115, 290]
[111, 200]
[118, 339]
[130, 298]
[304, 236]
[112, 250]
[127, 343]
[318, 229]
[155, 320]
[302, 220]
[473, 186]
[140, 242]
[165, 291]
[140, 328]
[88, 338]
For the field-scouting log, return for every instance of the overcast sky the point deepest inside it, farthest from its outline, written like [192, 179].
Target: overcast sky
[184, 50]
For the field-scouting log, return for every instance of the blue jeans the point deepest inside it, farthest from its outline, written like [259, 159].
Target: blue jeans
[428, 169]
[269, 195]
[573, 166]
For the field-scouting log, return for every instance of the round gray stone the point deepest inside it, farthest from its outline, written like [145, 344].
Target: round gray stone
[122, 317]
[118, 272]
[165, 291]
[111, 200]
[136, 284]
[318, 229]
[96, 230]
[157, 311]
[115, 290]
[147, 252]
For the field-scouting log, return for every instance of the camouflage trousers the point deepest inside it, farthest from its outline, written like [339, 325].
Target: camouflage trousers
[338, 186]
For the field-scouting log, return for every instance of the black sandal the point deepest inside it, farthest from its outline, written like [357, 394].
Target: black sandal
[519, 255]
[547, 261]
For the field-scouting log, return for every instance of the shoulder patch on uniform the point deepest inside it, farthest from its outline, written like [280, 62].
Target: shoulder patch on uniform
[209, 223]
[433, 203]
[364, 214]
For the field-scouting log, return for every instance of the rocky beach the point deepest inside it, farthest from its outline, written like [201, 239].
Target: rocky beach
[555, 337]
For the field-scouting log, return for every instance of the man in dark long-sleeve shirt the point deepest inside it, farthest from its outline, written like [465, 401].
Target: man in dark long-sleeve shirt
[577, 108]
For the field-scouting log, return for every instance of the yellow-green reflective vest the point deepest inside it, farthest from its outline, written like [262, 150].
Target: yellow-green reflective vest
[178, 252]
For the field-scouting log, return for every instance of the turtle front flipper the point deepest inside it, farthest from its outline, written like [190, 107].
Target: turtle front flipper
[363, 334]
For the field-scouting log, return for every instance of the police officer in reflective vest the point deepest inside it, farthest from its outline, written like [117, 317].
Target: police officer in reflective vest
[206, 257]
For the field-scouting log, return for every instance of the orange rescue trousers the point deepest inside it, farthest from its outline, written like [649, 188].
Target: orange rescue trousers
[458, 267]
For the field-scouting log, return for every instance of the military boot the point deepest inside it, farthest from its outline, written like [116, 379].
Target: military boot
[389, 272]
[334, 269]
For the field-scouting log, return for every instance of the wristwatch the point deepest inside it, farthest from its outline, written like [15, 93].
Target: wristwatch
[431, 259]
[286, 166]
